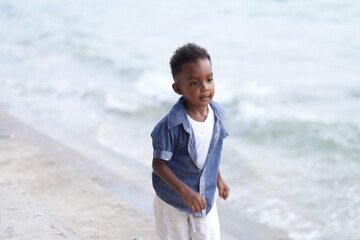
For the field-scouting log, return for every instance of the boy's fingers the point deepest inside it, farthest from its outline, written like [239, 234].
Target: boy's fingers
[201, 205]
[224, 194]
[198, 205]
[195, 208]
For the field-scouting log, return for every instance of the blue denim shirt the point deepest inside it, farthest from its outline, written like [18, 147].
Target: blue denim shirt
[174, 141]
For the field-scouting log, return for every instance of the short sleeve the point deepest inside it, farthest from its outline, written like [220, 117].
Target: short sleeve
[223, 132]
[163, 141]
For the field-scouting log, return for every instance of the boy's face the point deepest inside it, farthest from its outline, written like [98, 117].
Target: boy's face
[195, 82]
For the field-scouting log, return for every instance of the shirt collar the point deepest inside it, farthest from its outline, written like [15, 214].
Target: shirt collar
[177, 114]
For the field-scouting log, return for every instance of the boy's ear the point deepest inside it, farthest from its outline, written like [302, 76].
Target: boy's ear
[176, 88]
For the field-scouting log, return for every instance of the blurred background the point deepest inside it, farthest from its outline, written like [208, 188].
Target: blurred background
[287, 71]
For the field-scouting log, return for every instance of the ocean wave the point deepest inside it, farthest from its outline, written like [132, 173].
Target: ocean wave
[304, 136]
[293, 191]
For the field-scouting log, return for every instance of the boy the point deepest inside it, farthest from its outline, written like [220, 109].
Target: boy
[187, 148]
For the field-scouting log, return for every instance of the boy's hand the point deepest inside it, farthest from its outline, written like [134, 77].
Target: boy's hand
[193, 200]
[223, 188]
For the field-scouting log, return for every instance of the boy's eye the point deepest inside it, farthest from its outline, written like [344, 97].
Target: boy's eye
[195, 83]
[210, 79]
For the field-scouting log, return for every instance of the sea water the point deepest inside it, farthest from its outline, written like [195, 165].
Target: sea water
[287, 71]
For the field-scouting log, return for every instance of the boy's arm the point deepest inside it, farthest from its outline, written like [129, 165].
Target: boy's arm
[192, 198]
[223, 188]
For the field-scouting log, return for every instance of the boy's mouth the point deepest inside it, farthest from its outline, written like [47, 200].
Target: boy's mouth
[205, 98]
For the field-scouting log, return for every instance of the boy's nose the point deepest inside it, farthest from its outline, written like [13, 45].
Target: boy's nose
[205, 86]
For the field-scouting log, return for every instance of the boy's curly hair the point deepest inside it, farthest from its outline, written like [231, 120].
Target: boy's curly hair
[190, 52]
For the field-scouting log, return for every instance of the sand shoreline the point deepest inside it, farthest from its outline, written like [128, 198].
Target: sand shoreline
[81, 204]
[114, 177]
[114, 173]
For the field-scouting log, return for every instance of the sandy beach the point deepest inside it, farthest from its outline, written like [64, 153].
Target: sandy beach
[84, 209]
[87, 191]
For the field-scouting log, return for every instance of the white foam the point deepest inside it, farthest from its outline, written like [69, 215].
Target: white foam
[121, 103]
[157, 86]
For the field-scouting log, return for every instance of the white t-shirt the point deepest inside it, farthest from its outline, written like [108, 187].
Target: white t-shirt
[203, 133]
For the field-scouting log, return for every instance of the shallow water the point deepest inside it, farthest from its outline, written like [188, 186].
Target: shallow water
[286, 71]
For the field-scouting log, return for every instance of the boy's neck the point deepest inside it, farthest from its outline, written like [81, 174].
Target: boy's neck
[198, 114]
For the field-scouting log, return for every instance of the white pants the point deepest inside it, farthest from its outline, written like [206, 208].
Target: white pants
[174, 224]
